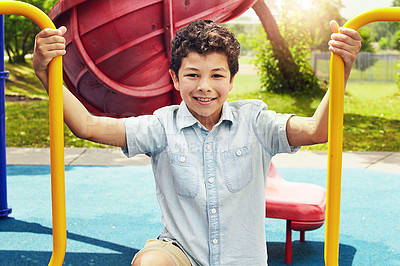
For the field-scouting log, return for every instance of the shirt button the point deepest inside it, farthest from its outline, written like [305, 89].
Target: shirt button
[211, 180]
[182, 159]
[213, 211]
[238, 152]
[208, 147]
[215, 241]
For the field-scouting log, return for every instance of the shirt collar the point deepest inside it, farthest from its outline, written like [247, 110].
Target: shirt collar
[186, 119]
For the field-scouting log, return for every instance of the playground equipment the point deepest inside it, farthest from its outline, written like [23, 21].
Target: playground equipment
[117, 63]
[4, 209]
[149, 94]
[56, 130]
[302, 205]
[102, 98]
[335, 138]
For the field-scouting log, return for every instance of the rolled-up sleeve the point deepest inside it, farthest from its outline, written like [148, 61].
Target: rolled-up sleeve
[270, 128]
[144, 134]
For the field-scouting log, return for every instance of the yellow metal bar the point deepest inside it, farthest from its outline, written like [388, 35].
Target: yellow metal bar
[335, 139]
[56, 130]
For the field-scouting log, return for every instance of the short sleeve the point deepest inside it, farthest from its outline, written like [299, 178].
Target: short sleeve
[144, 135]
[270, 128]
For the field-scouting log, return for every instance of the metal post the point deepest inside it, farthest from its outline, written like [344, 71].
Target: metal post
[4, 210]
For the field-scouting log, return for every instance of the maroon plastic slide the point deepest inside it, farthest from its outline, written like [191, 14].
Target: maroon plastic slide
[118, 51]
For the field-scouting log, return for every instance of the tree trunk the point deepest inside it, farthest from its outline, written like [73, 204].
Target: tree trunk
[19, 59]
[9, 52]
[286, 64]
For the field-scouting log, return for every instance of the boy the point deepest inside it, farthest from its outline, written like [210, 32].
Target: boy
[210, 159]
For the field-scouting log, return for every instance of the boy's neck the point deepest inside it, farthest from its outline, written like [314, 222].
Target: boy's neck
[209, 122]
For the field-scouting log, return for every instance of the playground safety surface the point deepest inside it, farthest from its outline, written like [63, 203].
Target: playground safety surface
[112, 208]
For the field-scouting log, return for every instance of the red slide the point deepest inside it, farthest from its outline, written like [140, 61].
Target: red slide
[118, 51]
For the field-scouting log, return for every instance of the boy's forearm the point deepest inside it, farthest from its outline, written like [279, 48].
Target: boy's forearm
[76, 116]
[302, 131]
[74, 111]
[44, 79]
[50, 43]
[85, 125]
[321, 117]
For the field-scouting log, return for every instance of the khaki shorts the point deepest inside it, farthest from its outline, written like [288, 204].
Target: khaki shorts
[168, 247]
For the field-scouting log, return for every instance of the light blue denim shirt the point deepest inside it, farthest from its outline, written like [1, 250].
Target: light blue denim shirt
[211, 184]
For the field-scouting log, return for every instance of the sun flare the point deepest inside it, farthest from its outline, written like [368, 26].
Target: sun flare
[302, 4]
[306, 4]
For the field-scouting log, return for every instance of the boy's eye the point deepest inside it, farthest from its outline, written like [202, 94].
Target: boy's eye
[218, 76]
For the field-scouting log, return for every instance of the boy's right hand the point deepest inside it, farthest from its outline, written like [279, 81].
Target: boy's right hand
[49, 43]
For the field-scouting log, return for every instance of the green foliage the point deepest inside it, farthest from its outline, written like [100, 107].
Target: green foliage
[387, 33]
[20, 32]
[384, 30]
[299, 42]
[316, 21]
[367, 39]
[271, 78]
[364, 62]
[244, 33]
[384, 43]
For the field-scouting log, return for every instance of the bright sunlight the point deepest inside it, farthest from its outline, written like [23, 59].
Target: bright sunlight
[304, 4]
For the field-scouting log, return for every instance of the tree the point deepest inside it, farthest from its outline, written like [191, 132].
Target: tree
[281, 71]
[20, 32]
[387, 33]
[316, 21]
[244, 33]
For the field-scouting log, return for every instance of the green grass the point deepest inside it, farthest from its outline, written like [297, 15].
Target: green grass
[27, 125]
[371, 119]
[27, 122]
[22, 81]
[371, 112]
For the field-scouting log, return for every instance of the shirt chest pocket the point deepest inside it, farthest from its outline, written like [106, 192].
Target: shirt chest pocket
[185, 175]
[237, 167]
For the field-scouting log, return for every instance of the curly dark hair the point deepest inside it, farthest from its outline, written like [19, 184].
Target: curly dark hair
[204, 37]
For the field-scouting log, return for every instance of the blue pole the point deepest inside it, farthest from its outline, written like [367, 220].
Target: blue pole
[4, 210]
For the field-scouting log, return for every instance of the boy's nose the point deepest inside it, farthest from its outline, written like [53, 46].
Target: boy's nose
[204, 85]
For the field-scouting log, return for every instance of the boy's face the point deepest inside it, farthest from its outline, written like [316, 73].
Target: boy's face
[204, 82]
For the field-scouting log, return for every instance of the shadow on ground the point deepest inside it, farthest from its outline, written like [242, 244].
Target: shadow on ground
[307, 253]
[121, 255]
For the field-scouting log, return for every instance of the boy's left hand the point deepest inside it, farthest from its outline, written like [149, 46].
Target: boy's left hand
[346, 43]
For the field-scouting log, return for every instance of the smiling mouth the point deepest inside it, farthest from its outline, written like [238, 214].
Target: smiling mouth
[204, 100]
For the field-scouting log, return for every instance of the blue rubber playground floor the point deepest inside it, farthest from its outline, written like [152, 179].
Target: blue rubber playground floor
[112, 211]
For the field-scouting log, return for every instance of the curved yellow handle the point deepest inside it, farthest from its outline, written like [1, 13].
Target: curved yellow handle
[56, 130]
[335, 138]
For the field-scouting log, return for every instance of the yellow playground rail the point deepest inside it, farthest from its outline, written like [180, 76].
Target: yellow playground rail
[56, 130]
[335, 139]
[334, 148]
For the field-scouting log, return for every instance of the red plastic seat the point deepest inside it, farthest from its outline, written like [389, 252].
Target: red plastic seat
[302, 205]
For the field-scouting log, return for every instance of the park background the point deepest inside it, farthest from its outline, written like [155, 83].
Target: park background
[372, 99]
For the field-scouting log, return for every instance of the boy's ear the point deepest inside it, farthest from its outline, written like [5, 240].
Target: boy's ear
[231, 83]
[175, 79]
